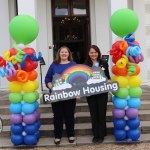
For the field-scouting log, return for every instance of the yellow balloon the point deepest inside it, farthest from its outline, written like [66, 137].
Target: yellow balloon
[122, 62]
[29, 86]
[134, 81]
[36, 84]
[15, 86]
[113, 78]
[122, 81]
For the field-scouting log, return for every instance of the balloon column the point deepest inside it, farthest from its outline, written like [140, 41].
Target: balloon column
[126, 55]
[18, 66]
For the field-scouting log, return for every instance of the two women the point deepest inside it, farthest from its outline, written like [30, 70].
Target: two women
[64, 110]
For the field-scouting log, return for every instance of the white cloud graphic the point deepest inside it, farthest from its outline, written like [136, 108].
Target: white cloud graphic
[93, 81]
[62, 87]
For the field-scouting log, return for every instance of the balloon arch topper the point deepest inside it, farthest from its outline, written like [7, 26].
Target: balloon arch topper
[79, 80]
[126, 55]
[18, 65]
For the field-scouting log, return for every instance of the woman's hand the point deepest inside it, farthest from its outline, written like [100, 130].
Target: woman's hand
[108, 81]
[50, 87]
[49, 84]
[78, 97]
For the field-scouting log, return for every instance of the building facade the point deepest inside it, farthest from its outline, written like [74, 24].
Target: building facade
[78, 28]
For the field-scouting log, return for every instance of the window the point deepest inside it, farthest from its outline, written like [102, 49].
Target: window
[70, 7]
[79, 7]
[61, 7]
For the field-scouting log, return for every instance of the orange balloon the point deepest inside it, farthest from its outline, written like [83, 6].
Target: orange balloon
[22, 76]
[137, 70]
[32, 75]
[14, 78]
[119, 71]
[124, 46]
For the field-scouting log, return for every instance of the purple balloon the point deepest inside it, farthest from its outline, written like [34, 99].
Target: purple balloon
[16, 118]
[37, 115]
[131, 113]
[118, 113]
[29, 119]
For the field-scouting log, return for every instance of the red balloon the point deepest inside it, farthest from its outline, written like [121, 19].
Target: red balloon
[2, 62]
[12, 52]
[29, 51]
[30, 65]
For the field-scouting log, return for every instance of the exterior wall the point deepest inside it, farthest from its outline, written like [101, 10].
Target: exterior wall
[6, 7]
[142, 8]
[101, 35]
[120, 4]
[44, 39]
[147, 34]
[102, 25]
[24, 9]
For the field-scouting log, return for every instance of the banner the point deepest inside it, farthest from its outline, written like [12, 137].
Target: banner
[79, 81]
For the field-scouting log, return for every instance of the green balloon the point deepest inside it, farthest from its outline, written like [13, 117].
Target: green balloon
[23, 29]
[123, 22]
[37, 95]
[135, 92]
[15, 97]
[30, 97]
[121, 93]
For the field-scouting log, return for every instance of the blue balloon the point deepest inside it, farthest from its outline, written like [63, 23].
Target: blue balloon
[133, 123]
[119, 124]
[15, 108]
[36, 104]
[37, 124]
[120, 103]
[30, 140]
[16, 129]
[120, 135]
[30, 129]
[113, 99]
[17, 139]
[28, 108]
[133, 134]
[134, 102]
[38, 134]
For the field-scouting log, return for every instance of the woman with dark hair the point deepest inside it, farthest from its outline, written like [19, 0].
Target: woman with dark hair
[63, 110]
[98, 103]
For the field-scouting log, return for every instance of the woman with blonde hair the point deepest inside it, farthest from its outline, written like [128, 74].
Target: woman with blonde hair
[63, 110]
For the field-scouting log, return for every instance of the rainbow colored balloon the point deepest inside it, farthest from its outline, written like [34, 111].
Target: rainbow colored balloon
[18, 65]
[126, 55]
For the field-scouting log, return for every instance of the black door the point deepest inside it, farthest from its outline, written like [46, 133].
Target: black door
[71, 27]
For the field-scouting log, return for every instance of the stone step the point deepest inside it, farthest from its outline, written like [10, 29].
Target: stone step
[83, 107]
[83, 117]
[80, 107]
[80, 141]
[80, 117]
[4, 102]
[81, 129]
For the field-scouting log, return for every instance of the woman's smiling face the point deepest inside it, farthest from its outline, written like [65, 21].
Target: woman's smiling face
[93, 54]
[64, 54]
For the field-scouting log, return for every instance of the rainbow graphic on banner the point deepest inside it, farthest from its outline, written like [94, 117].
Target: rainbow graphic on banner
[78, 71]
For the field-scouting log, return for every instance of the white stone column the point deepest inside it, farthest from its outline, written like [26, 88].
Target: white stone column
[102, 25]
[115, 5]
[27, 7]
[4, 35]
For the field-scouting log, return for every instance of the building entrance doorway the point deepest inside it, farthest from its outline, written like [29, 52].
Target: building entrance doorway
[71, 27]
